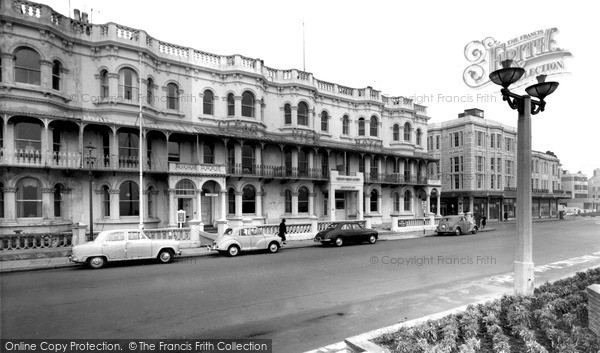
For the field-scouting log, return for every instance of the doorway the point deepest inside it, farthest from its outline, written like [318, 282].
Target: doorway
[186, 204]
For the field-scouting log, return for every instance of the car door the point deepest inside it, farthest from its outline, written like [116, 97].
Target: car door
[138, 245]
[259, 241]
[114, 246]
[245, 239]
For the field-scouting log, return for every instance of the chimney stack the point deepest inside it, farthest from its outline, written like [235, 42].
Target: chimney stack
[84, 17]
[77, 15]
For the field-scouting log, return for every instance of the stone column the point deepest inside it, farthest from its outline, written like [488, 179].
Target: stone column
[428, 209]
[10, 204]
[199, 206]
[46, 146]
[402, 203]
[8, 67]
[114, 204]
[257, 110]
[113, 86]
[237, 157]
[223, 201]
[367, 198]
[48, 203]
[237, 105]
[258, 159]
[311, 164]
[294, 203]
[294, 115]
[311, 204]
[258, 203]
[368, 168]
[114, 150]
[438, 204]
[238, 204]
[361, 206]
[172, 208]
[46, 74]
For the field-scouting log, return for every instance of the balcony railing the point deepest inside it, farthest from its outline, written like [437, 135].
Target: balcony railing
[269, 171]
[396, 178]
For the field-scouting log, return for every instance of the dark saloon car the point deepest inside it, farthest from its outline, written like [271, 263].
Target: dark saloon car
[342, 232]
[456, 225]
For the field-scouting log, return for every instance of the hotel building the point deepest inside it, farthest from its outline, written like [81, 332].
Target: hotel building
[225, 138]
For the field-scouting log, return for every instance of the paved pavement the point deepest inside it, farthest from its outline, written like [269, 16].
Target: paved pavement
[61, 262]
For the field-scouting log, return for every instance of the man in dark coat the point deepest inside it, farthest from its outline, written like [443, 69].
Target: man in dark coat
[282, 230]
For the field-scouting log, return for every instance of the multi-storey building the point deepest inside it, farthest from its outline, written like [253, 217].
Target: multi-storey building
[584, 192]
[224, 137]
[594, 189]
[479, 168]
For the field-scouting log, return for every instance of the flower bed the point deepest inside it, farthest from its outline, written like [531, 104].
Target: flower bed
[554, 319]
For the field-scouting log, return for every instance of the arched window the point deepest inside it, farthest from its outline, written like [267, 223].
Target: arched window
[248, 199]
[209, 153]
[419, 137]
[396, 202]
[361, 127]
[104, 84]
[56, 68]
[1, 200]
[172, 96]
[407, 131]
[303, 200]
[28, 137]
[302, 114]
[150, 208]
[185, 187]
[105, 202]
[248, 104]
[288, 201]
[324, 121]
[373, 201]
[407, 200]
[150, 91]
[346, 125]
[27, 66]
[129, 197]
[248, 160]
[29, 198]
[287, 114]
[302, 163]
[58, 200]
[208, 102]
[128, 148]
[231, 202]
[374, 125]
[128, 85]
[396, 132]
[230, 105]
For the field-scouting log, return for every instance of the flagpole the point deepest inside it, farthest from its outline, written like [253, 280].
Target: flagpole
[141, 159]
[303, 49]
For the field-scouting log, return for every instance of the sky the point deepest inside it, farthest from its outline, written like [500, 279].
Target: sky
[402, 48]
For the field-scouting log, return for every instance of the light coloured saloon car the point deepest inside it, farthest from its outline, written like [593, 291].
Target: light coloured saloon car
[237, 239]
[124, 244]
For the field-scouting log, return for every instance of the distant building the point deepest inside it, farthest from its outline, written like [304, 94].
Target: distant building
[479, 168]
[584, 192]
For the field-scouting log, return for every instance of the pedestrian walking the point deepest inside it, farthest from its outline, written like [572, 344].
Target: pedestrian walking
[505, 216]
[282, 230]
[477, 219]
[483, 221]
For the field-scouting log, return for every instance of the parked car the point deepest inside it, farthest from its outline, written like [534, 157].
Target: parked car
[237, 239]
[342, 232]
[123, 244]
[456, 225]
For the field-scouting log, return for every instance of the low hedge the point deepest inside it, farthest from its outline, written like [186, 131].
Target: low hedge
[554, 319]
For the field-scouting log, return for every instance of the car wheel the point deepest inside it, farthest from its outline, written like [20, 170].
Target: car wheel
[165, 256]
[233, 250]
[372, 239]
[96, 262]
[474, 231]
[339, 241]
[457, 231]
[273, 247]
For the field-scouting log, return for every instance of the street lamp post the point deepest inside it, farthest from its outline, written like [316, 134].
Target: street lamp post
[524, 281]
[90, 149]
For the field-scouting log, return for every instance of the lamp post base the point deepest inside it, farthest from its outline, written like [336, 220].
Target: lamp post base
[524, 278]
